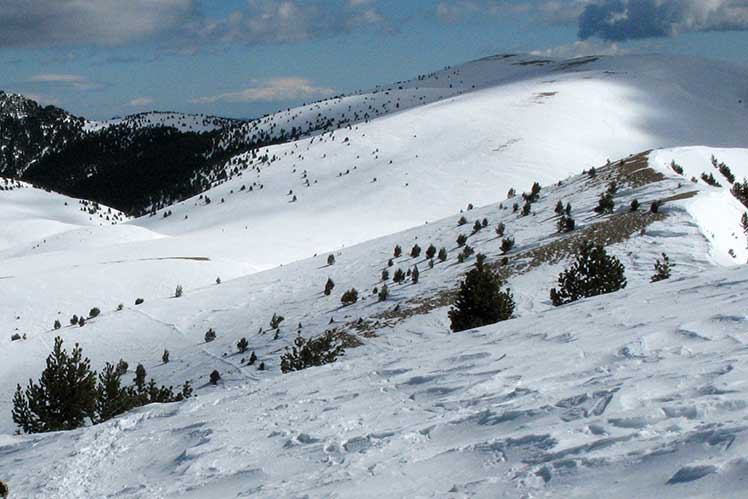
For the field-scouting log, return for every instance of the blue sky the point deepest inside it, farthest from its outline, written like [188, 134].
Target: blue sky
[244, 58]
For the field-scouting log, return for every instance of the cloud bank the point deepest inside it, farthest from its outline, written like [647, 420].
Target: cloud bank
[611, 20]
[274, 90]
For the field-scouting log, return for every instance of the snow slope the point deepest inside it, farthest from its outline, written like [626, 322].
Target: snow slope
[183, 122]
[637, 394]
[524, 121]
[30, 215]
[635, 381]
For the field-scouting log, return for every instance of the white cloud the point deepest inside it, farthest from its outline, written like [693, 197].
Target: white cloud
[290, 21]
[581, 49]
[77, 82]
[277, 89]
[141, 102]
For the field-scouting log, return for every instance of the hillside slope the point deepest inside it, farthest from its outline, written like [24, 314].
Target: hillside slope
[543, 121]
[637, 394]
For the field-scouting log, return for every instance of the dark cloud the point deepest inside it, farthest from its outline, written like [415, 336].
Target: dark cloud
[55, 23]
[618, 20]
[176, 23]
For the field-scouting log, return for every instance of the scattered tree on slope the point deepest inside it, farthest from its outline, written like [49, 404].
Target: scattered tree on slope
[593, 273]
[480, 300]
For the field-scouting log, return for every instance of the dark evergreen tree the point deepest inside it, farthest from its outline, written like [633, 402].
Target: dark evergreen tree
[94, 312]
[415, 275]
[461, 240]
[663, 269]
[63, 399]
[565, 224]
[500, 229]
[165, 357]
[215, 377]
[477, 226]
[415, 252]
[112, 398]
[635, 205]
[462, 221]
[349, 297]
[242, 345]
[57, 324]
[331, 260]
[605, 205]
[507, 244]
[593, 273]
[385, 275]
[210, 335]
[329, 285]
[399, 276]
[398, 251]
[318, 351]
[384, 293]
[430, 251]
[559, 208]
[480, 300]
[442, 255]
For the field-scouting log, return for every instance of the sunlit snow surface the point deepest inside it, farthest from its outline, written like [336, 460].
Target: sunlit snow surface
[636, 394]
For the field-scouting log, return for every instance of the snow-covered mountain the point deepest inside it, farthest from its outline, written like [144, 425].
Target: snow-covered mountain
[633, 394]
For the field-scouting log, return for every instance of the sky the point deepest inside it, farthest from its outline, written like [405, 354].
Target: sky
[246, 58]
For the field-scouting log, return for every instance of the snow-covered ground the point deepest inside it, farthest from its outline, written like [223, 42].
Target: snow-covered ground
[184, 122]
[636, 394]
[522, 123]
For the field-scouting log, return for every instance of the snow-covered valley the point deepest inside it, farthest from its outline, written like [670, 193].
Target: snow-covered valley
[639, 393]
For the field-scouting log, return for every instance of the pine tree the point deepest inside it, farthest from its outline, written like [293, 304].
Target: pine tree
[462, 221]
[480, 300]
[415, 252]
[565, 224]
[94, 312]
[415, 275]
[398, 251]
[384, 293]
[210, 335]
[461, 240]
[112, 399]
[331, 260]
[329, 285]
[634, 205]
[165, 357]
[662, 269]
[63, 399]
[442, 255]
[57, 324]
[559, 208]
[430, 251]
[605, 204]
[178, 291]
[349, 297]
[500, 229]
[526, 209]
[593, 273]
[399, 276]
[242, 345]
[477, 226]
[385, 275]
[507, 244]
[318, 351]
[215, 377]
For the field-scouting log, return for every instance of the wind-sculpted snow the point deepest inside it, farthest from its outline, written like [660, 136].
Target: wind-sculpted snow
[547, 405]
[636, 394]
